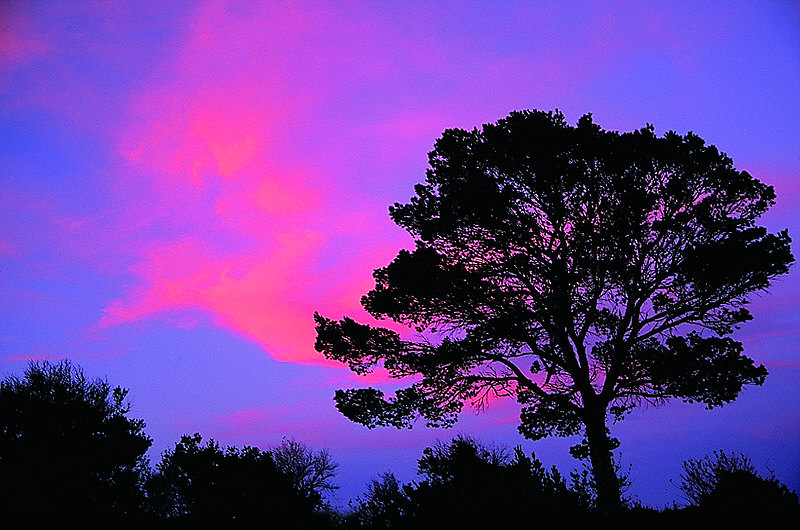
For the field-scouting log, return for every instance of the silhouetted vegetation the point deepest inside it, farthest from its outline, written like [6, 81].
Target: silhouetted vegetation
[468, 485]
[310, 472]
[384, 505]
[582, 272]
[510, 486]
[729, 486]
[68, 451]
[208, 482]
[579, 271]
[67, 447]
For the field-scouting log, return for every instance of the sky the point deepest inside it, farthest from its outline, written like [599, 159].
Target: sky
[183, 184]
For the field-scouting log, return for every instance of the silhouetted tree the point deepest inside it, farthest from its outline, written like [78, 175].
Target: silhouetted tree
[311, 472]
[729, 486]
[67, 447]
[384, 505]
[209, 482]
[579, 270]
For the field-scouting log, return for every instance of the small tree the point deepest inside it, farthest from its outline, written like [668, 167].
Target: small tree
[311, 472]
[581, 271]
[67, 447]
[384, 505]
[202, 482]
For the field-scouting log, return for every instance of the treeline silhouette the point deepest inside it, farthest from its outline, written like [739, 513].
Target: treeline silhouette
[69, 451]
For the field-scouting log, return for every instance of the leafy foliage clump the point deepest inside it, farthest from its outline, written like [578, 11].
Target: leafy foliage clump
[728, 484]
[68, 447]
[466, 484]
[210, 482]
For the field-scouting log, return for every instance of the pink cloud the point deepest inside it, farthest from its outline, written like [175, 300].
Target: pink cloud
[262, 297]
[785, 427]
[267, 292]
[229, 202]
[187, 132]
[250, 219]
[204, 142]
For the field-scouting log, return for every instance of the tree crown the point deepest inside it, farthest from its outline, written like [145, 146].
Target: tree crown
[574, 268]
[68, 439]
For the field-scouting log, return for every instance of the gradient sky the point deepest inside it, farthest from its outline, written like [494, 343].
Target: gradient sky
[182, 184]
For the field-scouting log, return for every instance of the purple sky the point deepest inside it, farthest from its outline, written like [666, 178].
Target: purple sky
[182, 184]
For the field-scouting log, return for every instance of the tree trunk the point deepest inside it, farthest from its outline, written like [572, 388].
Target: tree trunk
[609, 495]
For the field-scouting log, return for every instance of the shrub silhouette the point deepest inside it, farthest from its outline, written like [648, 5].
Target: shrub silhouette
[67, 447]
[469, 485]
[509, 488]
[728, 485]
[209, 482]
[384, 505]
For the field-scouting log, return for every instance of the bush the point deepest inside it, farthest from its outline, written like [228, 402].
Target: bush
[67, 447]
[384, 505]
[728, 485]
[209, 482]
[468, 485]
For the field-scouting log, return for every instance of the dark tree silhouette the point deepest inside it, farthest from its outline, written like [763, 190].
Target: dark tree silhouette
[466, 484]
[209, 482]
[384, 505]
[311, 472]
[509, 488]
[579, 270]
[67, 447]
[728, 485]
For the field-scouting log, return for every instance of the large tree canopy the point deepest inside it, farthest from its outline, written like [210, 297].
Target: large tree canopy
[579, 270]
